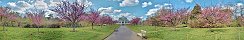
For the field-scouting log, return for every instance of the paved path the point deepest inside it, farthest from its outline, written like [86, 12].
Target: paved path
[123, 33]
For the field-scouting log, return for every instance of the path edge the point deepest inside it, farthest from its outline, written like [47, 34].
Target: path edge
[110, 34]
[136, 32]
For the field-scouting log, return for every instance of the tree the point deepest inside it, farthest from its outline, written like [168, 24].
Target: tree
[93, 17]
[4, 14]
[106, 20]
[196, 11]
[36, 17]
[173, 18]
[12, 17]
[212, 17]
[71, 12]
[135, 21]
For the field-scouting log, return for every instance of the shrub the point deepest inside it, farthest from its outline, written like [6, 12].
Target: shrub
[33, 26]
[240, 21]
[27, 26]
[54, 26]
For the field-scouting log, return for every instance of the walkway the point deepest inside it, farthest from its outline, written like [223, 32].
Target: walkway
[123, 33]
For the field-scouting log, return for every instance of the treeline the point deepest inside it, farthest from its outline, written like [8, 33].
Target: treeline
[69, 14]
[198, 17]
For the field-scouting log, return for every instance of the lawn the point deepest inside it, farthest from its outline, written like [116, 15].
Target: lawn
[167, 33]
[83, 33]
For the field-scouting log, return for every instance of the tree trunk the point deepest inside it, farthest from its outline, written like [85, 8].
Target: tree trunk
[3, 26]
[102, 25]
[38, 28]
[12, 23]
[92, 25]
[73, 25]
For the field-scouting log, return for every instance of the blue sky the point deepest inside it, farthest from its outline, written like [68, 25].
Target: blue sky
[118, 8]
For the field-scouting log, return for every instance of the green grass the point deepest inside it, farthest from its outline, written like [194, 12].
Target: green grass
[166, 33]
[83, 33]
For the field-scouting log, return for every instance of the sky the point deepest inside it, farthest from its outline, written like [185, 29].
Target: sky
[117, 8]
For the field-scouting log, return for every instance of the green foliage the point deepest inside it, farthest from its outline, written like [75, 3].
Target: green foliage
[193, 22]
[196, 11]
[234, 23]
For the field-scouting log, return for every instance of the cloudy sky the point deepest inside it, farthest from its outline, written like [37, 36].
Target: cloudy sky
[117, 8]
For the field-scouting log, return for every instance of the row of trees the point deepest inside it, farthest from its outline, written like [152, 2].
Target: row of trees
[6, 16]
[67, 13]
[209, 17]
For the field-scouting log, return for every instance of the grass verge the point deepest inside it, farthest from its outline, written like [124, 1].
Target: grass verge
[83, 33]
[166, 33]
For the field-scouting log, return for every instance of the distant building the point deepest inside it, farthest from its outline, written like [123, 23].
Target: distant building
[123, 20]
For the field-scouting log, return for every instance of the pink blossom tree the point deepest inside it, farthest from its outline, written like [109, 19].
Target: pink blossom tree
[106, 20]
[36, 17]
[214, 17]
[11, 17]
[102, 20]
[173, 18]
[135, 21]
[71, 12]
[4, 14]
[93, 17]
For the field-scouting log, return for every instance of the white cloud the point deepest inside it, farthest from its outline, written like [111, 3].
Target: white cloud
[158, 5]
[189, 1]
[141, 17]
[108, 10]
[114, 17]
[88, 3]
[145, 4]
[167, 4]
[117, 11]
[129, 3]
[40, 4]
[125, 14]
[152, 11]
[239, 4]
[50, 12]
[129, 16]
[53, 3]
[23, 4]
[21, 7]
[11, 4]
